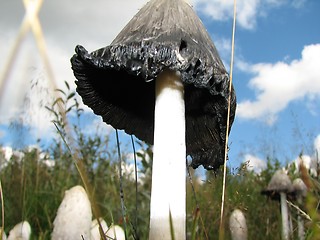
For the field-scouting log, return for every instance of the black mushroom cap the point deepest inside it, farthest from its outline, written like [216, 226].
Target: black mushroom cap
[118, 81]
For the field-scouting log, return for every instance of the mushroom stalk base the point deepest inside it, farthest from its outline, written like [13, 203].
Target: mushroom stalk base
[284, 215]
[300, 222]
[168, 191]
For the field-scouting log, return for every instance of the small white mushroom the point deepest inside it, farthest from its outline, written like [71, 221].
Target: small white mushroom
[115, 232]
[73, 220]
[3, 234]
[238, 225]
[300, 191]
[95, 233]
[21, 231]
[280, 184]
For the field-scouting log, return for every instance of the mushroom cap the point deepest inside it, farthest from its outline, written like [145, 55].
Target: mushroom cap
[280, 182]
[115, 232]
[238, 225]
[95, 233]
[74, 216]
[118, 81]
[299, 187]
[20, 231]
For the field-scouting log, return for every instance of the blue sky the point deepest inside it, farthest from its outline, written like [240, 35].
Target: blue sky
[276, 68]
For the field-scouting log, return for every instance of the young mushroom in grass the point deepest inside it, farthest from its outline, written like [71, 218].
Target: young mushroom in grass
[21, 231]
[95, 230]
[238, 225]
[74, 216]
[3, 235]
[300, 192]
[115, 232]
[279, 186]
[162, 80]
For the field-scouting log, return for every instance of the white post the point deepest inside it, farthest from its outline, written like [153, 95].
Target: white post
[168, 191]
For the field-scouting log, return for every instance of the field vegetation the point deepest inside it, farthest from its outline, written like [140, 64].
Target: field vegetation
[33, 185]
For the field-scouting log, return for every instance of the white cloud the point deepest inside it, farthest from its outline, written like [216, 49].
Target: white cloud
[309, 162]
[298, 3]
[6, 153]
[278, 84]
[254, 163]
[223, 10]
[247, 11]
[26, 91]
[223, 46]
[65, 24]
[129, 170]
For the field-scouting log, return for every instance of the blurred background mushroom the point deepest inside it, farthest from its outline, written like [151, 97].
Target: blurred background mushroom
[74, 216]
[299, 189]
[300, 192]
[3, 235]
[95, 232]
[278, 187]
[162, 80]
[238, 225]
[21, 231]
[115, 232]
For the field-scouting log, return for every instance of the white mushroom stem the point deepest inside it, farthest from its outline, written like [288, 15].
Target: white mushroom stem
[168, 191]
[284, 215]
[300, 221]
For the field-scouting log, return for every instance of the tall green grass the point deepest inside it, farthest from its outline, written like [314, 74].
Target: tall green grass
[32, 190]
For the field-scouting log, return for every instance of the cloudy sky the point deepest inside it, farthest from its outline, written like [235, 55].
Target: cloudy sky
[276, 67]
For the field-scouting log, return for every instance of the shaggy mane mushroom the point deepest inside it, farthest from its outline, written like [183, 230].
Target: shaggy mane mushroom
[162, 80]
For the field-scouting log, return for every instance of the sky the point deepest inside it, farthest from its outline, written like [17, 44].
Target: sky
[276, 71]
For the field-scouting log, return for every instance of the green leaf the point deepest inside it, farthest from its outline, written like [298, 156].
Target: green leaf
[52, 111]
[71, 95]
[70, 108]
[67, 84]
[59, 90]
[57, 101]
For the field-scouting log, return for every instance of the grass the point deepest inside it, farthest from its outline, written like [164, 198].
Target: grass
[43, 187]
[33, 190]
